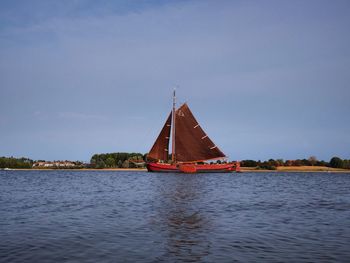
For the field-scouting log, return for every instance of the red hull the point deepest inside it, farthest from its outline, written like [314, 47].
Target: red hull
[193, 168]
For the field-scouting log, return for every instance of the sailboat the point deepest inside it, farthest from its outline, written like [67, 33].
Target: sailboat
[191, 147]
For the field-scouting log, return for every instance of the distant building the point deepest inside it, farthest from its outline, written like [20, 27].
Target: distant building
[54, 164]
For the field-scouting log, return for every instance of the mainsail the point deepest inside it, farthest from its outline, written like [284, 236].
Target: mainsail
[160, 148]
[191, 142]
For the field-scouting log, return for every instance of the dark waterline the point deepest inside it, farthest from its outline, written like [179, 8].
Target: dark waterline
[109, 216]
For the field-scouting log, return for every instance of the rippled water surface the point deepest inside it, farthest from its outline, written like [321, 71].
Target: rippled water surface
[107, 216]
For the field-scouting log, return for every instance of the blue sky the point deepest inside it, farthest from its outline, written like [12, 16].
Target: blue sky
[265, 79]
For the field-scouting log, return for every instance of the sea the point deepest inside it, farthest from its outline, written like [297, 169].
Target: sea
[119, 216]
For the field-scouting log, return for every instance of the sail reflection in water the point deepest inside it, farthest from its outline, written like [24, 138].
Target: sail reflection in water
[178, 216]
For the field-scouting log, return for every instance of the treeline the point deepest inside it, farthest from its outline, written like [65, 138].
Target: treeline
[16, 163]
[272, 164]
[137, 160]
[117, 160]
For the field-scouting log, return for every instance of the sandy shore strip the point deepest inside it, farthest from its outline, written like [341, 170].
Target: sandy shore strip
[301, 169]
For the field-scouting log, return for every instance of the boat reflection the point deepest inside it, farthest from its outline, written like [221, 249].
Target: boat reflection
[182, 223]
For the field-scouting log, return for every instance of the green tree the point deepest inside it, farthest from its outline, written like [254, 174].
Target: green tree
[280, 162]
[11, 162]
[110, 162]
[346, 164]
[100, 164]
[249, 163]
[336, 162]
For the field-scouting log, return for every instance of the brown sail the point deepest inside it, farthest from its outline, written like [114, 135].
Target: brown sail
[160, 148]
[191, 142]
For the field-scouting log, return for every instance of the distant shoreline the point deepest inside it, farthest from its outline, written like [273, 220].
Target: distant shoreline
[293, 171]
[303, 169]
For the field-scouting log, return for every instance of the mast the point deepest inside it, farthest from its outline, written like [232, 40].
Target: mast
[173, 130]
